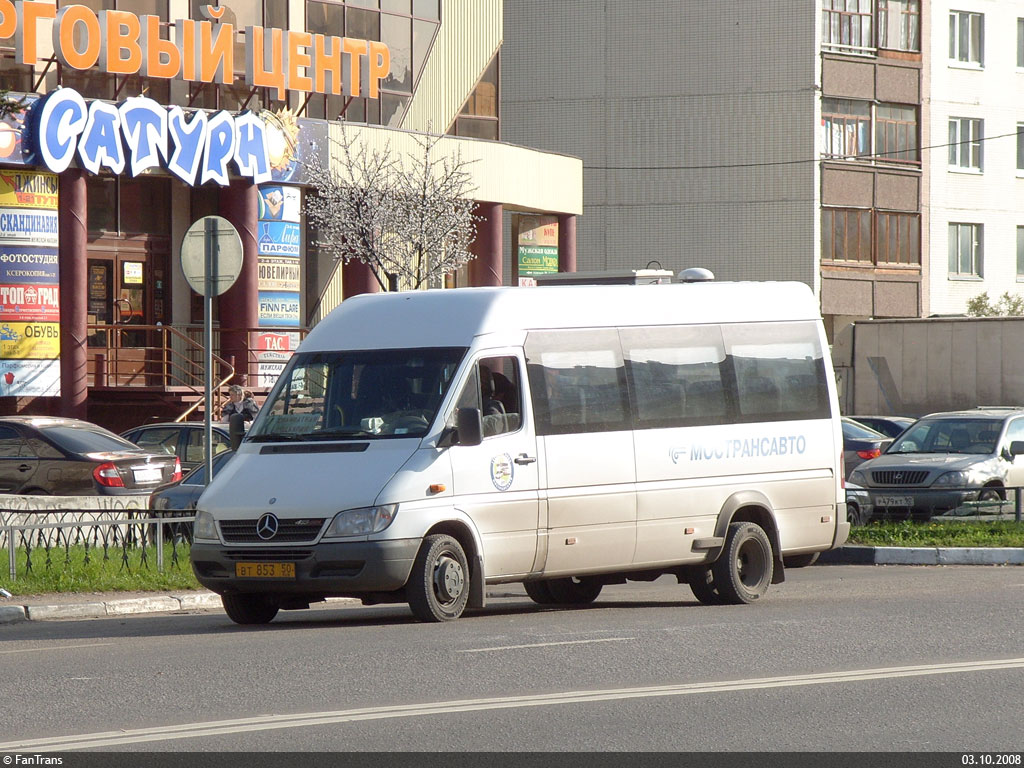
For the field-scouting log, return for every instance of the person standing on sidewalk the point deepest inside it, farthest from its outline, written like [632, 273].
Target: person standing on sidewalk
[239, 403]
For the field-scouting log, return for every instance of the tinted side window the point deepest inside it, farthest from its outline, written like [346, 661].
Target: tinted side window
[676, 375]
[578, 381]
[11, 443]
[779, 370]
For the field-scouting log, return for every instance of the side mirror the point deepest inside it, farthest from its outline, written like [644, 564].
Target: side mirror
[1016, 448]
[236, 429]
[470, 426]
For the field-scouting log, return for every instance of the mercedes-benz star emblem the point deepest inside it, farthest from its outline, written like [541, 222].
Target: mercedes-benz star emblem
[266, 527]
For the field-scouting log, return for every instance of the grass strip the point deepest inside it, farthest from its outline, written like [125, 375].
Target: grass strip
[951, 533]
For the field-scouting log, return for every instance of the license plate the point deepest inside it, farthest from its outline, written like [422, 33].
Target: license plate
[265, 570]
[894, 501]
[147, 475]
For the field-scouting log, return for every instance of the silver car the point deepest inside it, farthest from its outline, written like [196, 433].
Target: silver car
[946, 459]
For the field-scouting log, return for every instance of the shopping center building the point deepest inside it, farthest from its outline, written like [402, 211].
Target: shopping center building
[143, 116]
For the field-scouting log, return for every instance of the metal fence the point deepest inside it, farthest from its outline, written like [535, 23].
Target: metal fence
[923, 504]
[56, 539]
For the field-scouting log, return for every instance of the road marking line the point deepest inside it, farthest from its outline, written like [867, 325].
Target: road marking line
[273, 722]
[56, 648]
[545, 645]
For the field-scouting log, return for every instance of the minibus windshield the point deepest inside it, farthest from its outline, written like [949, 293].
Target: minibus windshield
[365, 394]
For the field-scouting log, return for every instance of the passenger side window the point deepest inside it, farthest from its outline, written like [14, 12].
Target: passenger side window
[1014, 432]
[11, 443]
[779, 371]
[675, 374]
[578, 381]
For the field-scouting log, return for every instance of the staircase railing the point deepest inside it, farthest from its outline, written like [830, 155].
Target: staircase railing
[157, 356]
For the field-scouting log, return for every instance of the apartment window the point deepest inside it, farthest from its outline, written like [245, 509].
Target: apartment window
[1020, 43]
[1020, 146]
[965, 135]
[847, 24]
[896, 133]
[899, 25]
[966, 37]
[965, 250]
[847, 127]
[898, 238]
[846, 235]
[1020, 252]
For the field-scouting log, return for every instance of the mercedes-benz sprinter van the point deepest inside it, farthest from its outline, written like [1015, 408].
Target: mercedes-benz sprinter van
[420, 446]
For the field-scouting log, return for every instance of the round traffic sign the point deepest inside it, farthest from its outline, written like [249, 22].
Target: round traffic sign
[212, 238]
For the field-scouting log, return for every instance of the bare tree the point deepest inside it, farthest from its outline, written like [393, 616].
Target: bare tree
[410, 219]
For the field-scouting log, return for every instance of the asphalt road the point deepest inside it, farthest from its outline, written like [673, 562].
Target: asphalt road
[838, 658]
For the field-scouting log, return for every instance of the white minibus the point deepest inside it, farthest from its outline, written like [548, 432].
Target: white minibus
[421, 446]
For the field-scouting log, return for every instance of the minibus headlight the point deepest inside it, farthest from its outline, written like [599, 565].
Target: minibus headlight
[204, 527]
[362, 521]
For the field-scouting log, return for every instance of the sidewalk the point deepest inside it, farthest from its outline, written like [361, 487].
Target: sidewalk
[102, 605]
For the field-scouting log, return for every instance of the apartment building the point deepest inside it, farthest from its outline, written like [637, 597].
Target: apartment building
[763, 141]
[976, 171]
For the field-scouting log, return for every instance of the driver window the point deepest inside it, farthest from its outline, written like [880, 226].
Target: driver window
[493, 388]
[1014, 432]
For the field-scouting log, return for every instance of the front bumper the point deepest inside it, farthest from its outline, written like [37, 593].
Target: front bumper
[344, 569]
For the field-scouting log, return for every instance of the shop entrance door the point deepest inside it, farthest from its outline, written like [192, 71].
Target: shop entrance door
[120, 298]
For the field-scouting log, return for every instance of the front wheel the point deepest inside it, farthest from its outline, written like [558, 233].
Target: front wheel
[249, 609]
[744, 569]
[438, 587]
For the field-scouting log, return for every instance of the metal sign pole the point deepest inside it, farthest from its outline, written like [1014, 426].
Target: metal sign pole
[209, 243]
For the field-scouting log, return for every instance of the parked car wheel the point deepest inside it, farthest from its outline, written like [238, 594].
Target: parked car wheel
[575, 591]
[702, 584]
[539, 592]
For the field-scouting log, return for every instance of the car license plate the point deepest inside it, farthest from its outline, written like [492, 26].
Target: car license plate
[265, 570]
[894, 501]
[149, 475]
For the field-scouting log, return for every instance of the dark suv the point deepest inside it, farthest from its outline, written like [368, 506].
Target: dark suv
[946, 459]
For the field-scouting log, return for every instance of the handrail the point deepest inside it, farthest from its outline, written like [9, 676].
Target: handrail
[176, 368]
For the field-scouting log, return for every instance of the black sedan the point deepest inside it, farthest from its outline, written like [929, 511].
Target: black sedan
[183, 439]
[69, 457]
[890, 426]
[183, 495]
[860, 443]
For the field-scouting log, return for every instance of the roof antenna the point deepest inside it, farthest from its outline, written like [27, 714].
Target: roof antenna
[696, 275]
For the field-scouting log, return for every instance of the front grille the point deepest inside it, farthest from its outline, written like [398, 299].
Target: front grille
[282, 555]
[887, 477]
[244, 531]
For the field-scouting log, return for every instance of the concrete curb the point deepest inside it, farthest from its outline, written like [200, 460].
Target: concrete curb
[154, 604]
[854, 555]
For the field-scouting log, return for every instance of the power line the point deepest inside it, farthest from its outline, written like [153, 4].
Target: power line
[727, 166]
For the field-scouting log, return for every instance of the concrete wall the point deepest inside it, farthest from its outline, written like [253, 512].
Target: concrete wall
[914, 367]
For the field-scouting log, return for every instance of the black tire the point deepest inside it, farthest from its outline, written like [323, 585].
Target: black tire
[991, 494]
[249, 609]
[539, 592]
[575, 590]
[800, 561]
[854, 516]
[702, 584]
[438, 587]
[744, 569]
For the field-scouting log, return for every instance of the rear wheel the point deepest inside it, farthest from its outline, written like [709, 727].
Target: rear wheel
[539, 592]
[575, 590]
[702, 584]
[744, 570]
[990, 494]
[249, 609]
[438, 588]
